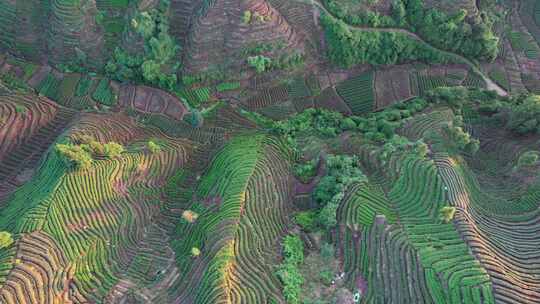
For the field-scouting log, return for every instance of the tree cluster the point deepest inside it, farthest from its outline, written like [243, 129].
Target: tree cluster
[458, 138]
[82, 154]
[342, 171]
[363, 17]
[377, 127]
[348, 47]
[471, 37]
[156, 65]
[525, 115]
[262, 63]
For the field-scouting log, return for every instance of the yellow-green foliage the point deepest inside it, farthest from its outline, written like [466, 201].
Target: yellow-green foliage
[447, 213]
[94, 147]
[113, 149]
[5, 239]
[153, 147]
[75, 154]
[82, 154]
[246, 18]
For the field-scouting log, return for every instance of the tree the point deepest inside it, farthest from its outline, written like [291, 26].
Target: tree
[307, 220]
[527, 159]
[472, 147]
[398, 12]
[246, 17]
[348, 124]
[153, 147]
[421, 148]
[151, 70]
[6, 239]
[451, 96]
[446, 214]
[327, 216]
[162, 48]
[460, 139]
[195, 252]
[190, 216]
[326, 189]
[144, 24]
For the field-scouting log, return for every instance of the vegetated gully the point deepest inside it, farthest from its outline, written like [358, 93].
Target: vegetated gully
[490, 84]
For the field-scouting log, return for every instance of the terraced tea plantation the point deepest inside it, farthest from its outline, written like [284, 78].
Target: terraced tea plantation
[269, 152]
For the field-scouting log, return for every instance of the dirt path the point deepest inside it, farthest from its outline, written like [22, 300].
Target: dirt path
[490, 84]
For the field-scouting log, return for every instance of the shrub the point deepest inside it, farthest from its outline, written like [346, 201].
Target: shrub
[195, 252]
[6, 239]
